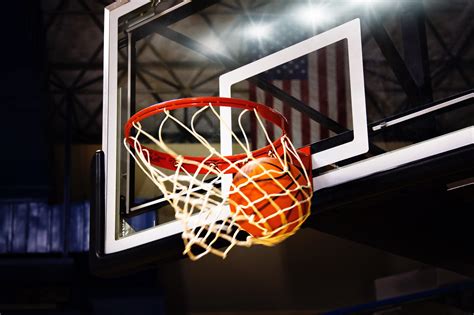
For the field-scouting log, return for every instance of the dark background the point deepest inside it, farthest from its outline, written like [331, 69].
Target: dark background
[24, 104]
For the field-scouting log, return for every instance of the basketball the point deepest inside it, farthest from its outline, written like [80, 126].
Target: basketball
[273, 201]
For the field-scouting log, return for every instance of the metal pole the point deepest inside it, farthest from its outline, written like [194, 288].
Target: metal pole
[131, 103]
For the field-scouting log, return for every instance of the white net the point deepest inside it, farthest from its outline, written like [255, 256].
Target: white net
[267, 202]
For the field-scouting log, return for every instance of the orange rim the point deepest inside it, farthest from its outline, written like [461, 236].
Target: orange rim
[167, 161]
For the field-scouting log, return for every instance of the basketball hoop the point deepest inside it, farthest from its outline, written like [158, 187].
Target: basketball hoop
[216, 218]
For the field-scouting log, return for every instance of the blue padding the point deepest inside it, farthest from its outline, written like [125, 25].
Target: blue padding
[142, 221]
[56, 229]
[37, 227]
[6, 228]
[20, 227]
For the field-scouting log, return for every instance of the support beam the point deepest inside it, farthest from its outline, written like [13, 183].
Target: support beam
[391, 54]
[415, 48]
[132, 108]
[149, 26]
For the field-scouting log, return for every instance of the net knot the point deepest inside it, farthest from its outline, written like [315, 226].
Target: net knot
[178, 160]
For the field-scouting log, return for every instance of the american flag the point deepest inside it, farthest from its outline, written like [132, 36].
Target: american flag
[319, 80]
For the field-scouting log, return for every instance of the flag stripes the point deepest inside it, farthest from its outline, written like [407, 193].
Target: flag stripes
[324, 87]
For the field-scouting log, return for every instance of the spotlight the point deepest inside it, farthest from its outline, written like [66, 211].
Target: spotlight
[215, 44]
[259, 31]
[366, 2]
[313, 15]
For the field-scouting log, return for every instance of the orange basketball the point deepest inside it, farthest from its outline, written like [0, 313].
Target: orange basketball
[278, 202]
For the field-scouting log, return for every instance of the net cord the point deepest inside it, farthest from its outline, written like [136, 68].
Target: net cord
[199, 203]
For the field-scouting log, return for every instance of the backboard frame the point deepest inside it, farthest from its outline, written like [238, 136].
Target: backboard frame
[352, 33]
[359, 144]
[165, 238]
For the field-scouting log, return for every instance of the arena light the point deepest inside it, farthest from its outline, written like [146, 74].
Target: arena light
[313, 15]
[366, 2]
[258, 31]
[214, 44]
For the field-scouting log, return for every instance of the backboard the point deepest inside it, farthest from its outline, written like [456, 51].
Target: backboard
[336, 72]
